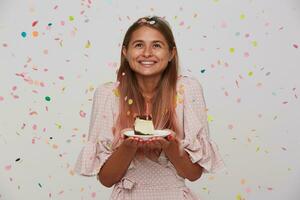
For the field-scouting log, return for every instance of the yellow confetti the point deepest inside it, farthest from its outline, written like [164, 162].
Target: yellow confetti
[91, 88]
[130, 101]
[250, 74]
[88, 44]
[58, 126]
[231, 50]
[116, 92]
[71, 18]
[239, 197]
[210, 118]
[254, 43]
[242, 16]
[257, 149]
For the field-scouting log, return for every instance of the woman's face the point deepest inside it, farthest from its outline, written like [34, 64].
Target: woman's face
[148, 52]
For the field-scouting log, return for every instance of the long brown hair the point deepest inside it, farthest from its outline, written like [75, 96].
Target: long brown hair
[131, 101]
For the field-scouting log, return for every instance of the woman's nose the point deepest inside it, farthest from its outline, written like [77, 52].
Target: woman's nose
[147, 51]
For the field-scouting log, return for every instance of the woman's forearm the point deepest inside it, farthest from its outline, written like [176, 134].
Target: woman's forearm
[116, 166]
[183, 165]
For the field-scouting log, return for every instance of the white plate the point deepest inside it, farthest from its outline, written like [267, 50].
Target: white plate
[157, 133]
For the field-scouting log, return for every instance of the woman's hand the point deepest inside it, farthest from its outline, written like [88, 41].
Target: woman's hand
[131, 142]
[153, 147]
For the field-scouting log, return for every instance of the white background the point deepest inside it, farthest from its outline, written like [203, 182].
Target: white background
[254, 119]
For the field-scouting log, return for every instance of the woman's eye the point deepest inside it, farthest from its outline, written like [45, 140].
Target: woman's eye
[138, 45]
[157, 45]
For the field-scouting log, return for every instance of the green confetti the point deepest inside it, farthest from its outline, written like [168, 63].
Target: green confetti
[47, 98]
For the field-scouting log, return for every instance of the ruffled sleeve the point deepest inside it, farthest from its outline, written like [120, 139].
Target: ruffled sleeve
[98, 147]
[196, 142]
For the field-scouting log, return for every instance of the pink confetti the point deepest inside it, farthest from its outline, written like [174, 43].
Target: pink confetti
[34, 23]
[61, 77]
[55, 7]
[93, 194]
[14, 88]
[269, 188]
[181, 23]
[34, 127]
[230, 126]
[7, 167]
[4, 45]
[1, 98]
[223, 24]
[33, 141]
[295, 46]
[248, 190]
[226, 93]
[246, 54]
[82, 114]
[62, 23]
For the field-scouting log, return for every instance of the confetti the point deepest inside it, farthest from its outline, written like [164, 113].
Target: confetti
[242, 16]
[18, 159]
[1, 98]
[35, 33]
[88, 44]
[82, 114]
[202, 71]
[47, 98]
[250, 73]
[295, 46]
[231, 50]
[93, 194]
[24, 34]
[130, 101]
[254, 43]
[7, 167]
[34, 23]
[71, 18]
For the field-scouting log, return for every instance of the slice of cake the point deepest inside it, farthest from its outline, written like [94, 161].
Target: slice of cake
[143, 125]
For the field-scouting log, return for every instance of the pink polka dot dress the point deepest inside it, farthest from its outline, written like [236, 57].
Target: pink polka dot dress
[146, 179]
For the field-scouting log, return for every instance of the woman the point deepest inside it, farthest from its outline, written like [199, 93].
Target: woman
[148, 83]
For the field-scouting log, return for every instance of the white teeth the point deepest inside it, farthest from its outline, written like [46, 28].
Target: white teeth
[147, 62]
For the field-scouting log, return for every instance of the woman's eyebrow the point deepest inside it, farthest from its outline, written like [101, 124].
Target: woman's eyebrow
[154, 41]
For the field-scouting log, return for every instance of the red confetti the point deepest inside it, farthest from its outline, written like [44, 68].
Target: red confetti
[295, 46]
[34, 23]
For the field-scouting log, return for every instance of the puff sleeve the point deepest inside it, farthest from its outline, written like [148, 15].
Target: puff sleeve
[98, 147]
[200, 148]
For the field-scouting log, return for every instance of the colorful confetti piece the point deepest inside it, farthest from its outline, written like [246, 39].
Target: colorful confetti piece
[24, 34]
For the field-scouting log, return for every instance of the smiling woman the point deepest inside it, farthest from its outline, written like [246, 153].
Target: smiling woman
[148, 83]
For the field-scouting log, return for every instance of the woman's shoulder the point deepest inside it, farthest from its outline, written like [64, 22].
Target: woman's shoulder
[107, 88]
[187, 81]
